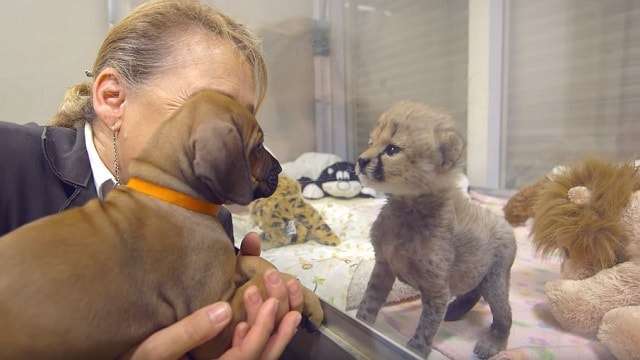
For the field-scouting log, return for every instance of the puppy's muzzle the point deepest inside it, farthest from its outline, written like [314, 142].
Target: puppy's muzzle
[268, 185]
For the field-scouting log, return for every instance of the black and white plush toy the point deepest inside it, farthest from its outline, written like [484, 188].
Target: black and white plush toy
[338, 180]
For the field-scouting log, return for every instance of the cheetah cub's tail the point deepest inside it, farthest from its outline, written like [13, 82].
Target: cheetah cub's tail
[461, 305]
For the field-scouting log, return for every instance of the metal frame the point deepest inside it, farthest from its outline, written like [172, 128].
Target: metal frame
[333, 127]
[486, 108]
[343, 337]
[504, 111]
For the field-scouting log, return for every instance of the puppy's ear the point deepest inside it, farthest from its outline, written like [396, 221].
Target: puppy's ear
[450, 147]
[220, 162]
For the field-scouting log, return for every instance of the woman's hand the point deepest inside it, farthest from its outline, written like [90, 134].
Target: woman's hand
[253, 339]
[256, 341]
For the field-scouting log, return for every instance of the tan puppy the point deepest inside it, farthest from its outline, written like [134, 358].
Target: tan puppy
[95, 281]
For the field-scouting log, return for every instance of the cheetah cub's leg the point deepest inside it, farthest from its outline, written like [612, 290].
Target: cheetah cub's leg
[495, 290]
[434, 295]
[378, 289]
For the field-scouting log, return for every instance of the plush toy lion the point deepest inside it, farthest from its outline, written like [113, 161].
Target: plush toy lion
[286, 218]
[589, 214]
[581, 214]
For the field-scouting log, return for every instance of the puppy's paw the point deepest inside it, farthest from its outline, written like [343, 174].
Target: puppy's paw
[489, 345]
[312, 308]
[418, 345]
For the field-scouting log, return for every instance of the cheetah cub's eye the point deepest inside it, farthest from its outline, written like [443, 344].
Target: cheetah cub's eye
[391, 150]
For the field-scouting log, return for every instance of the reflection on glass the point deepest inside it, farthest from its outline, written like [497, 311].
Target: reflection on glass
[569, 82]
[334, 67]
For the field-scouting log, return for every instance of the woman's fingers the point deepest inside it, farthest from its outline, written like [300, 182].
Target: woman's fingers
[278, 341]
[252, 302]
[276, 288]
[178, 339]
[250, 245]
[261, 330]
[296, 298]
[252, 345]
[239, 334]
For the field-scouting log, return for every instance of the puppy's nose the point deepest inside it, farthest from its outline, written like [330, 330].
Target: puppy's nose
[362, 162]
[277, 169]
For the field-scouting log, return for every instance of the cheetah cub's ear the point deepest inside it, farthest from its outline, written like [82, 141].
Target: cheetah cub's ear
[450, 145]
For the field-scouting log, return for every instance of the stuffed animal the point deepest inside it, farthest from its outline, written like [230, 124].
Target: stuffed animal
[582, 214]
[590, 215]
[338, 180]
[285, 218]
[519, 208]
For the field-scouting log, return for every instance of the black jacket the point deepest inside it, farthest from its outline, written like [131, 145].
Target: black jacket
[45, 170]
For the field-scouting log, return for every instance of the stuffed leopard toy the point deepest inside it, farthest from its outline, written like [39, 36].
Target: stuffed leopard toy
[285, 218]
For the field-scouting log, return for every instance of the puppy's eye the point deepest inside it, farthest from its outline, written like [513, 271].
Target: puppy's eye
[391, 150]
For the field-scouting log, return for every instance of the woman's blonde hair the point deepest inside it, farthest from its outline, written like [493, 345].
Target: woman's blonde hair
[138, 48]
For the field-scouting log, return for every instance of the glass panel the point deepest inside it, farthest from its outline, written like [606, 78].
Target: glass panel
[573, 84]
[334, 67]
[406, 50]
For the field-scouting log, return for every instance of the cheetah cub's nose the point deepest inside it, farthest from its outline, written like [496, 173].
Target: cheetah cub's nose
[362, 163]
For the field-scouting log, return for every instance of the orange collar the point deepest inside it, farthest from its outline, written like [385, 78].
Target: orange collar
[173, 197]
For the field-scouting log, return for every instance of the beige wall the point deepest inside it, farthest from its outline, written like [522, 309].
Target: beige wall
[44, 48]
[573, 84]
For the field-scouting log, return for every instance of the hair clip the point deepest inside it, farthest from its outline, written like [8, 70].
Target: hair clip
[88, 73]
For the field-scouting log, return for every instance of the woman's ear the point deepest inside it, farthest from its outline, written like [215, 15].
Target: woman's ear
[109, 95]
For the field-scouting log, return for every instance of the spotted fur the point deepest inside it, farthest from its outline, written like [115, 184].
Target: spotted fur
[286, 218]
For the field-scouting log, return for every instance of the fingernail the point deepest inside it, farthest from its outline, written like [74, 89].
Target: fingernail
[273, 277]
[294, 286]
[273, 306]
[297, 319]
[254, 297]
[219, 313]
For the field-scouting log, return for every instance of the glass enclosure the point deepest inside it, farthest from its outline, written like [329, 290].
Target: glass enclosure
[529, 85]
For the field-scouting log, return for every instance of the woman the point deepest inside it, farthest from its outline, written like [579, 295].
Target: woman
[149, 63]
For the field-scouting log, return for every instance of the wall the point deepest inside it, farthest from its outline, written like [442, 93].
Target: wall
[47, 45]
[285, 27]
[573, 84]
[45, 48]
[407, 50]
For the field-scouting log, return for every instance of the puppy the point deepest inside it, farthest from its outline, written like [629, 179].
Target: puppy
[428, 234]
[92, 282]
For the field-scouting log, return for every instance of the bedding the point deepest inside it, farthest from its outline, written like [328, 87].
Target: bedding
[327, 270]
[339, 276]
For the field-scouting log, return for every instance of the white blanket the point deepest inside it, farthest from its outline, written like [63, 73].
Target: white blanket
[329, 270]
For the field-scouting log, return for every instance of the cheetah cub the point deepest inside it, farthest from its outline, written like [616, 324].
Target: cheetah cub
[429, 235]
